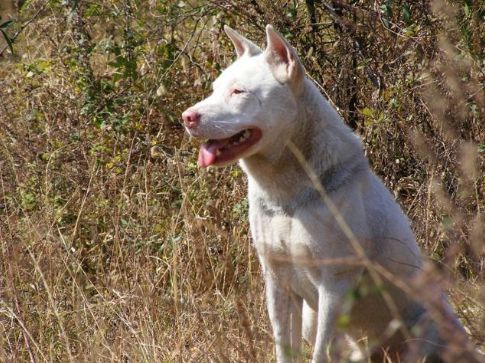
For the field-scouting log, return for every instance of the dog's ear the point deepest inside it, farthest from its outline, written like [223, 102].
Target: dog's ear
[283, 60]
[242, 45]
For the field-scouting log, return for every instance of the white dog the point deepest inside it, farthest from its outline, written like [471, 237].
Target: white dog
[333, 244]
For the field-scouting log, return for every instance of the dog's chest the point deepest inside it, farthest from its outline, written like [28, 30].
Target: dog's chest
[279, 237]
[285, 248]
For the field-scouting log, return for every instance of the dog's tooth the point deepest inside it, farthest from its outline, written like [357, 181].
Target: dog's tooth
[245, 135]
[218, 152]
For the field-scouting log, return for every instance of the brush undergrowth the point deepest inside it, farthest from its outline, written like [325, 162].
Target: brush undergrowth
[114, 246]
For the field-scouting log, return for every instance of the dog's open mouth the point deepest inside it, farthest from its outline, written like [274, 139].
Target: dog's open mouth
[221, 151]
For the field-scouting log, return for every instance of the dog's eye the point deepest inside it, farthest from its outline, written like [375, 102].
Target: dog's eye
[237, 91]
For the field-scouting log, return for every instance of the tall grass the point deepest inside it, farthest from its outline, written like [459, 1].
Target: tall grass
[116, 247]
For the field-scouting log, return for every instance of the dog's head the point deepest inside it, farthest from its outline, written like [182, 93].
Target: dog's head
[253, 105]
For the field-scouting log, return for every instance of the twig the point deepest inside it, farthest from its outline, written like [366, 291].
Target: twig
[12, 40]
[25, 332]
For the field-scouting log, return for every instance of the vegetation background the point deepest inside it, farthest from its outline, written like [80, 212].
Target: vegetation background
[114, 246]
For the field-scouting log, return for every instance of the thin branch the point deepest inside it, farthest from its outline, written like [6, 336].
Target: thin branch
[22, 28]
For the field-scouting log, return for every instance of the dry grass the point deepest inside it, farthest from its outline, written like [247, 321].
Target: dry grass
[116, 247]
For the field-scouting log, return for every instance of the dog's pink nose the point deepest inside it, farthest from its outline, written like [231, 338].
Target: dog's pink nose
[191, 118]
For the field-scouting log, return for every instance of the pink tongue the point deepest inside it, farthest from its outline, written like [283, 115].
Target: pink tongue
[208, 152]
[207, 155]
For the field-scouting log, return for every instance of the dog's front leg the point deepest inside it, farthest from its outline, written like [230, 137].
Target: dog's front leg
[284, 308]
[328, 307]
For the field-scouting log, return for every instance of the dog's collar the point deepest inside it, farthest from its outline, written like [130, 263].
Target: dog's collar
[331, 180]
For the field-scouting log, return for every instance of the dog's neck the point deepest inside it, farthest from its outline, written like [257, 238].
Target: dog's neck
[279, 177]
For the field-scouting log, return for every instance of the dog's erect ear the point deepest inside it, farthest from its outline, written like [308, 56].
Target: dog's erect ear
[242, 45]
[283, 60]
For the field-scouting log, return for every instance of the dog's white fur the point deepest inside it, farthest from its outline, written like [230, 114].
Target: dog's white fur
[297, 236]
